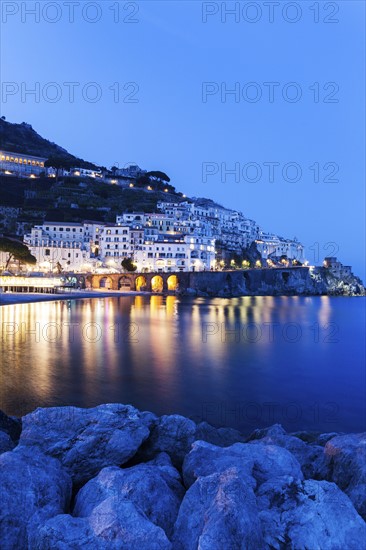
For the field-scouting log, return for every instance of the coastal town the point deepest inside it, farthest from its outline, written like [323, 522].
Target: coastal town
[189, 235]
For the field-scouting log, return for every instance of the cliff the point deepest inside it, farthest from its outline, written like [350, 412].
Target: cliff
[113, 477]
[295, 281]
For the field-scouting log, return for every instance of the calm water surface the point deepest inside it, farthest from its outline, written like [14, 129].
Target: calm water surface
[243, 362]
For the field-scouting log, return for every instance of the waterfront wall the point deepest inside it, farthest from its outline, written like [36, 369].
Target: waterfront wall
[250, 282]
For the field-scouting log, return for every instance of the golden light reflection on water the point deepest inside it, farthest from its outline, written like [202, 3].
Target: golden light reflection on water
[95, 350]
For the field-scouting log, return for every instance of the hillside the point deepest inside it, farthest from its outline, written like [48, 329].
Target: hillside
[21, 138]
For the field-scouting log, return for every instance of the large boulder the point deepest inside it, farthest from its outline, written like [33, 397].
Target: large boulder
[115, 524]
[310, 456]
[257, 462]
[33, 488]
[145, 485]
[346, 458]
[219, 513]
[6, 443]
[308, 514]
[172, 434]
[222, 437]
[11, 426]
[86, 440]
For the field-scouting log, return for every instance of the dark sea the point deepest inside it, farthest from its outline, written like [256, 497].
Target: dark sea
[243, 362]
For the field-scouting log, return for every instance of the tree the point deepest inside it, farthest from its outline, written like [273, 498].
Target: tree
[158, 175]
[128, 265]
[17, 251]
[59, 268]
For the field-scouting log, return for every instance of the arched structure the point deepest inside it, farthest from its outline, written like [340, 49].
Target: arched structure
[105, 282]
[124, 283]
[140, 283]
[173, 283]
[157, 284]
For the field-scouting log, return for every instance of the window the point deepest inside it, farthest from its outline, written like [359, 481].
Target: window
[48, 252]
[68, 229]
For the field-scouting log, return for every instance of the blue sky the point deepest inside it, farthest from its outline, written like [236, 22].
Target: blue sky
[168, 54]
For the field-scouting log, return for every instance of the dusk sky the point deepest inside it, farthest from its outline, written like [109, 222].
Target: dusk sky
[169, 119]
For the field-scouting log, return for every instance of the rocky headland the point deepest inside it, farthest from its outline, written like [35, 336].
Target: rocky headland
[112, 477]
[293, 281]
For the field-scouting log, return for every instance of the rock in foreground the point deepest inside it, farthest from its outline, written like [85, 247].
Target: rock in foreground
[113, 478]
[85, 440]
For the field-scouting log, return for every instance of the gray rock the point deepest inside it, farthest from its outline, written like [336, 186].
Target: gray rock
[86, 440]
[10, 425]
[271, 431]
[172, 434]
[145, 485]
[322, 439]
[115, 524]
[346, 458]
[33, 488]
[222, 437]
[302, 515]
[311, 457]
[315, 438]
[257, 462]
[63, 532]
[219, 513]
[6, 443]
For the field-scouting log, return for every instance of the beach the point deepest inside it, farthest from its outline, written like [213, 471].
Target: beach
[11, 298]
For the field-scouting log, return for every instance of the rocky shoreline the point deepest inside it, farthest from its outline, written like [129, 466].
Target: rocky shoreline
[112, 477]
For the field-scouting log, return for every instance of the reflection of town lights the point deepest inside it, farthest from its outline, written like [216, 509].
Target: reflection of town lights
[131, 184]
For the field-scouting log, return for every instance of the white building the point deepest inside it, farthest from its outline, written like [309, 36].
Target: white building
[21, 164]
[64, 245]
[272, 246]
[176, 253]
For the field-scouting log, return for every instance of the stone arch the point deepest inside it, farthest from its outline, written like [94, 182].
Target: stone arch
[157, 284]
[173, 283]
[140, 283]
[105, 282]
[124, 283]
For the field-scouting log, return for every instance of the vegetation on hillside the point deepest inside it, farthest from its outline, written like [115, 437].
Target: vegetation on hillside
[21, 138]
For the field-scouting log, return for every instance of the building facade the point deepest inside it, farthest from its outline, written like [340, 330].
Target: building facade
[21, 164]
